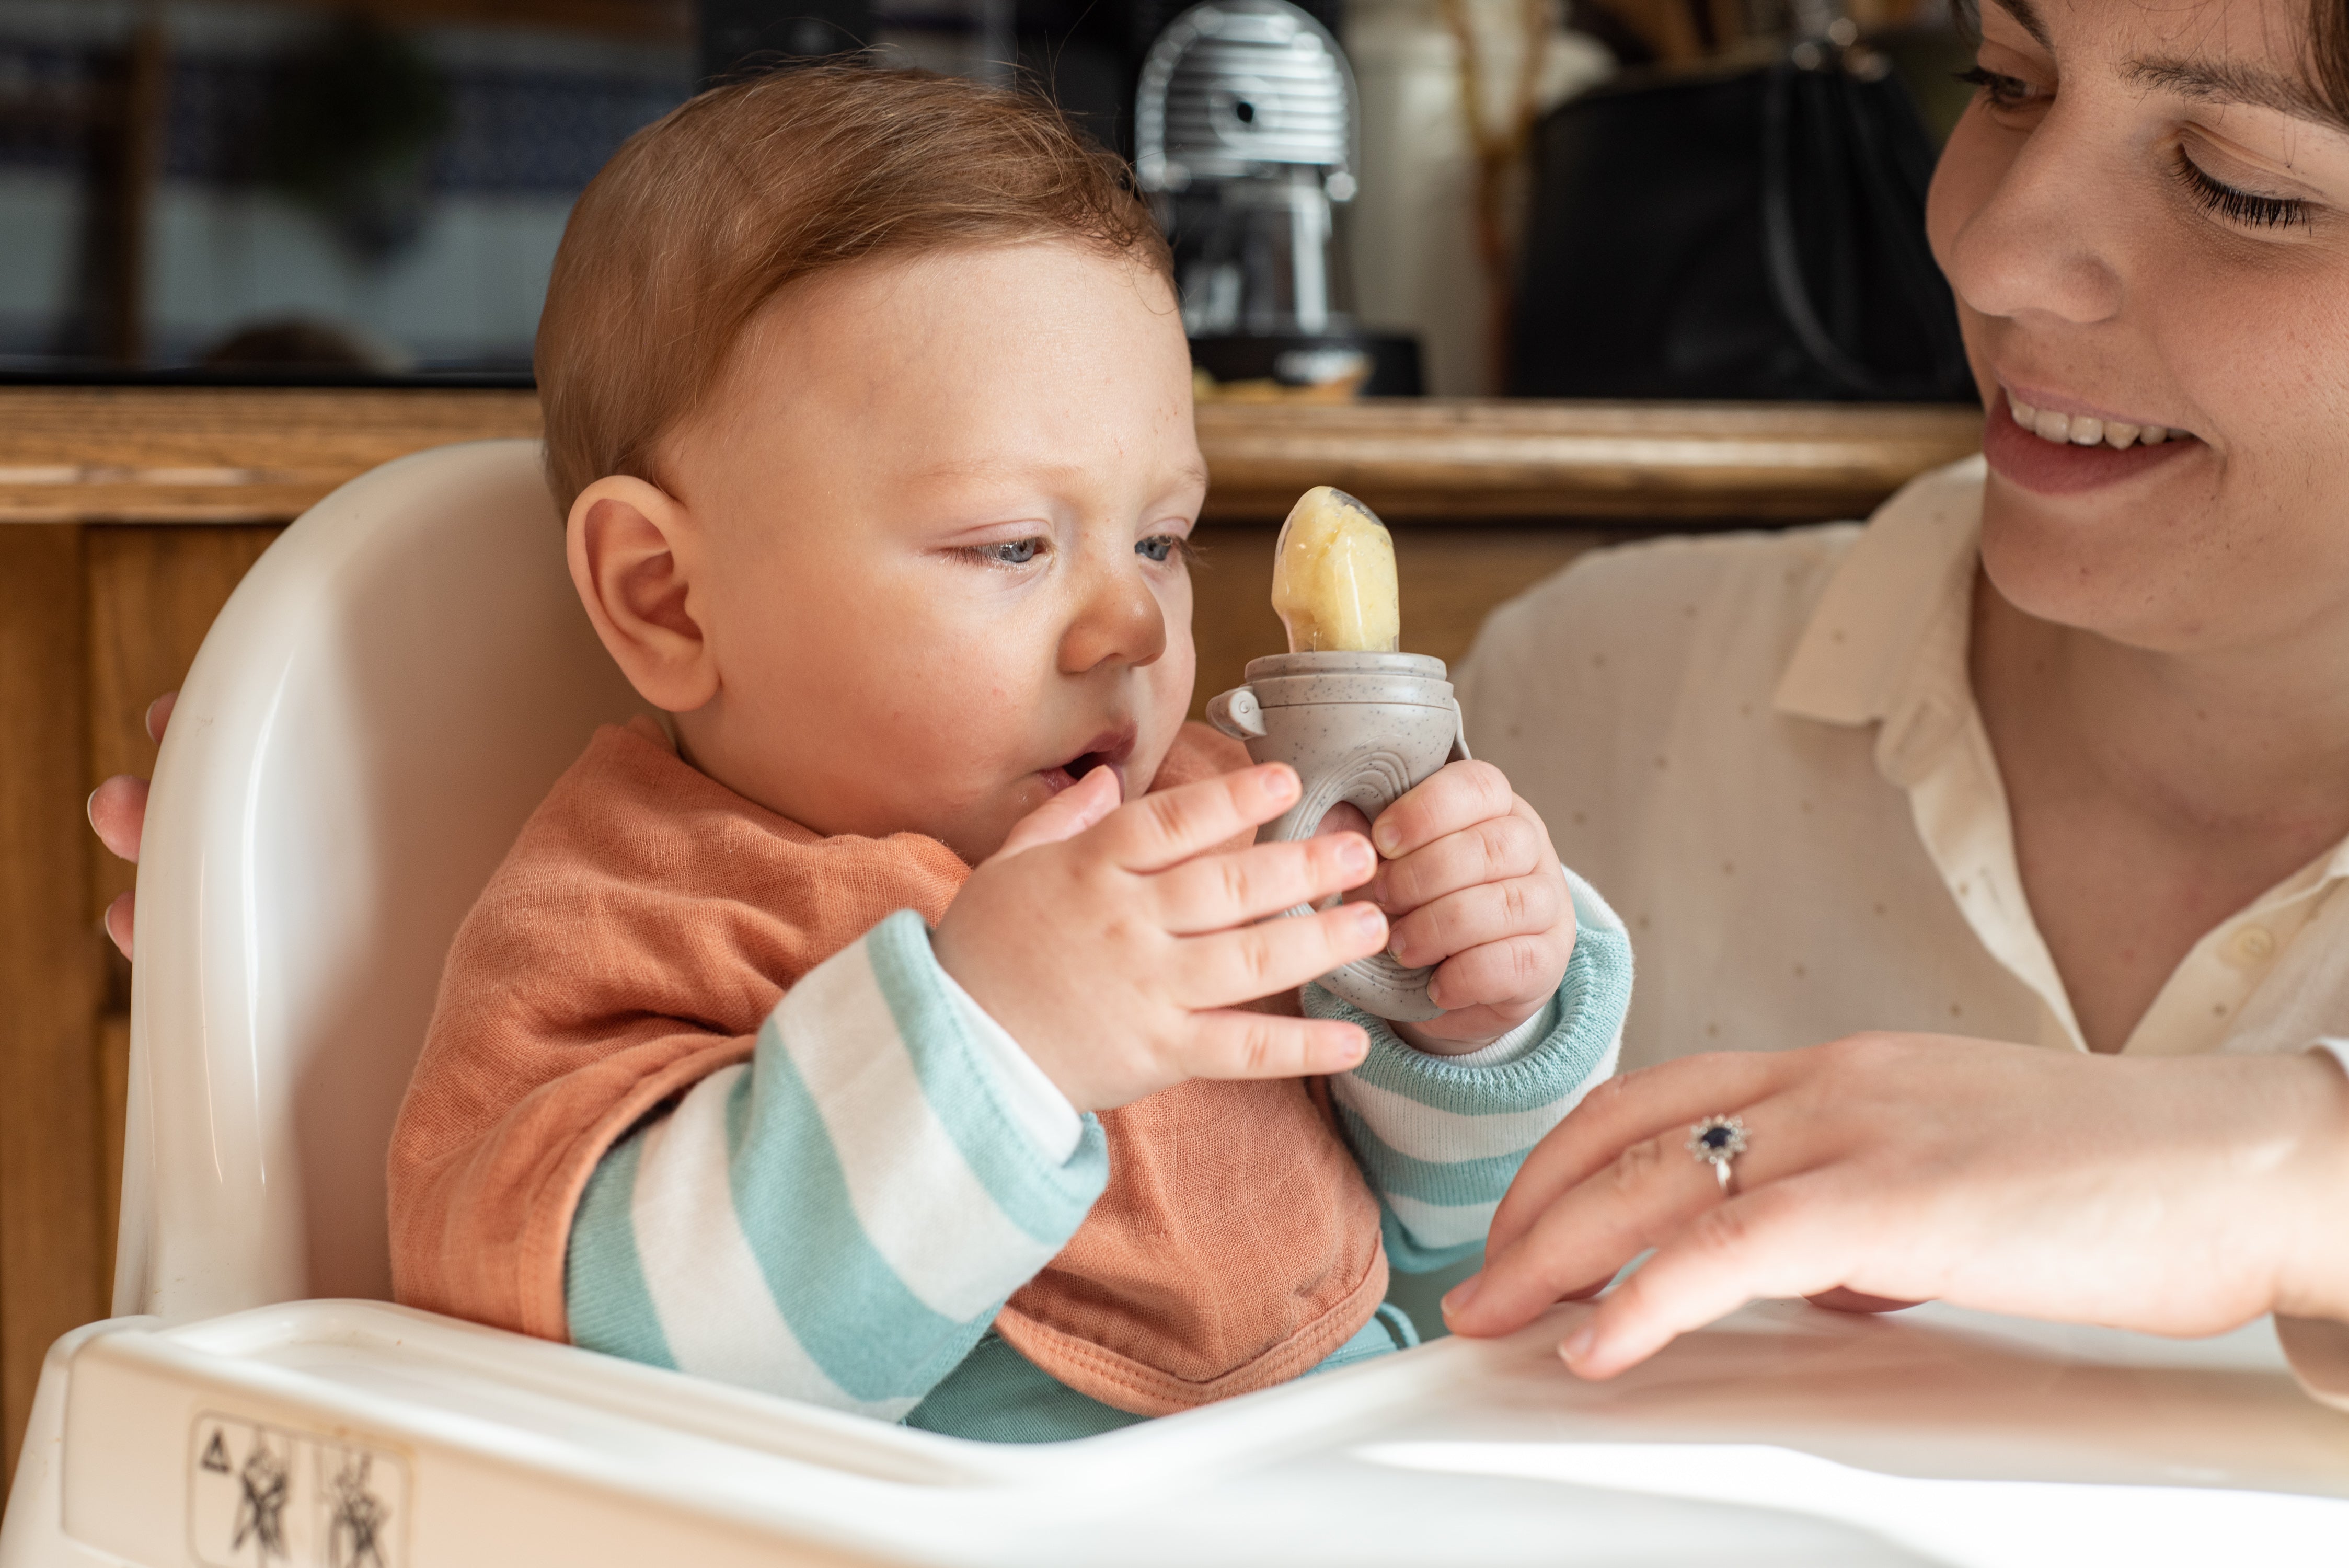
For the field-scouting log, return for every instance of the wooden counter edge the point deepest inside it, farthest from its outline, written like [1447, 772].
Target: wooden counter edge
[208, 455]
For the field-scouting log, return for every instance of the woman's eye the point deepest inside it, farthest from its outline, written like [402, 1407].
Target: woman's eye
[2003, 91]
[1159, 547]
[2240, 207]
[1010, 552]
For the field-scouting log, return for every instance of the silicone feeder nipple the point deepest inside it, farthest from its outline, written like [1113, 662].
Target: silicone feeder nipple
[1333, 577]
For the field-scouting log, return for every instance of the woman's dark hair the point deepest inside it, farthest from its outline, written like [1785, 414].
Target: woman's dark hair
[2328, 51]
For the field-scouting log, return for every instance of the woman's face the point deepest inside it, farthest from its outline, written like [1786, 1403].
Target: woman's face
[2145, 215]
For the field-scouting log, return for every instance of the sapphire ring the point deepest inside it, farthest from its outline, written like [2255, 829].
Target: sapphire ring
[1715, 1141]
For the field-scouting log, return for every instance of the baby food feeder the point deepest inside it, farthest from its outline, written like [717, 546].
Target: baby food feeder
[383, 702]
[1360, 722]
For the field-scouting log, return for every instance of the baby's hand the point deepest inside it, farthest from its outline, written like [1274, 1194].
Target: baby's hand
[1472, 887]
[1116, 949]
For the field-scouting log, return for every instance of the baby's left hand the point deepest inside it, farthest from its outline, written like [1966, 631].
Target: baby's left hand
[1470, 884]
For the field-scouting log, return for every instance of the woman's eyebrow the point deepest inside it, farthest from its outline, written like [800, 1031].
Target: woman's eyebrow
[2027, 18]
[2229, 81]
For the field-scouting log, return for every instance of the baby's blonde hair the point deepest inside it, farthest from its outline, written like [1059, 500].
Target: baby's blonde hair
[707, 214]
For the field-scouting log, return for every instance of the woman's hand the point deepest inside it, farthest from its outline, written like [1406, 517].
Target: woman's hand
[2179, 1196]
[117, 809]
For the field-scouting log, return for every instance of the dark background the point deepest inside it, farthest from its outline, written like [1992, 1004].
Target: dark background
[301, 189]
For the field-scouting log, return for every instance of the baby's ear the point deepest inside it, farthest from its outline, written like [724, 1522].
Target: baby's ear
[633, 549]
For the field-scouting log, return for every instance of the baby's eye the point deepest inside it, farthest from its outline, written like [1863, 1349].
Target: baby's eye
[1159, 547]
[1010, 552]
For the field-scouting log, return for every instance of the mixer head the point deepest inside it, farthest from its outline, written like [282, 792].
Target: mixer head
[1242, 89]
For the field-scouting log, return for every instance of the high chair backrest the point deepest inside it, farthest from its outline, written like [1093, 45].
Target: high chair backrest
[386, 696]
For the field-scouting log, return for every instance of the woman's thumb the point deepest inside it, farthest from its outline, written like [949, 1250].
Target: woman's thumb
[1065, 815]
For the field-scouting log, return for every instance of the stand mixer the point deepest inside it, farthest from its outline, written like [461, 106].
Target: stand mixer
[1244, 133]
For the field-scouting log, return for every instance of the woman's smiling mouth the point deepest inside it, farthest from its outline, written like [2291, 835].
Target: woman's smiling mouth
[2057, 453]
[2086, 429]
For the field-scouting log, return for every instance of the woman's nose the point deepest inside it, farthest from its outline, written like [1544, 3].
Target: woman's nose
[1118, 621]
[2031, 238]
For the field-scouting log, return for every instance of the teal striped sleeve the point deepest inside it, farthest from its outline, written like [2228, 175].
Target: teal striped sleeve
[1440, 1139]
[837, 1218]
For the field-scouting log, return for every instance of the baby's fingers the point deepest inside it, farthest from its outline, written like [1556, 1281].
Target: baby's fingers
[1230, 967]
[1065, 815]
[1459, 795]
[1215, 893]
[1496, 850]
[1530, 906]
[1170, 827]
[1233, 1044]
[1516, 972]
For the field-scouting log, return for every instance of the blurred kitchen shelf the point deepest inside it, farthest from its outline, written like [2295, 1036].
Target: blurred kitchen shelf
[1429, 461]
[174, 454]
[178, 454]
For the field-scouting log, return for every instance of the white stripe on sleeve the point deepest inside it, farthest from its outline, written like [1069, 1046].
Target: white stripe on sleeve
[1443, 1137]
[922, 1208]
[716, 1310]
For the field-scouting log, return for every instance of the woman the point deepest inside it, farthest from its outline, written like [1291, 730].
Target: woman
[2054, 753]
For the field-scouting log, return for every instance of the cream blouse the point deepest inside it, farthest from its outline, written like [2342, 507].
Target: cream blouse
[1762, 748]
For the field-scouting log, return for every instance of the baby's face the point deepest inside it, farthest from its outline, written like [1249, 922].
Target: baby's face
[937, 513]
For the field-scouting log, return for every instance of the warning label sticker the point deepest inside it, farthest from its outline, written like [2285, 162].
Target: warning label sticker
[270, 1497]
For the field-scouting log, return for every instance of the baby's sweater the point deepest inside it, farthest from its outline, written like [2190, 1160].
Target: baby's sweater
[839, 1208]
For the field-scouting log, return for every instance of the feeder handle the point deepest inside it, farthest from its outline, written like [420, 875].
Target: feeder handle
[1235, 713]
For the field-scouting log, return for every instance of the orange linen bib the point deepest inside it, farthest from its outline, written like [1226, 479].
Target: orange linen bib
[644, 925]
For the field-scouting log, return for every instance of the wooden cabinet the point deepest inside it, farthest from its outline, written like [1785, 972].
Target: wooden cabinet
[128, 515]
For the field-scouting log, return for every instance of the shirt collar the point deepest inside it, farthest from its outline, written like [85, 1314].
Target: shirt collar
[1891, 601]
[1887, 645]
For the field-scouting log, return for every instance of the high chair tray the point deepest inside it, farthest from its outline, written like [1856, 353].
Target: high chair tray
[353, 1434]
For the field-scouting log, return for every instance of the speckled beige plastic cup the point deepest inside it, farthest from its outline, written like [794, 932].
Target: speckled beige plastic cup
[1361, 728]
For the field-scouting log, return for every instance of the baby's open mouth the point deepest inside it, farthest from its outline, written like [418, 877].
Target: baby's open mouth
[1108, 750]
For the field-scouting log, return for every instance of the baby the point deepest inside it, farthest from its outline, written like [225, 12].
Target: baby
[900, 1028]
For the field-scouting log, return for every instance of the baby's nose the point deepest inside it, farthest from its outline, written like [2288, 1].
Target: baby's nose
[1121, 622]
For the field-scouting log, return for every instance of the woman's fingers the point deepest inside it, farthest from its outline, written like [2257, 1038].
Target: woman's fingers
[1214, 893]
[117, 810]
[1234, 1043]
[1840, 1299]
[1228, 967]
[117, 921]
[1650, 1193]
[1168, 828]
[1787, 1239]
[1671, 1097]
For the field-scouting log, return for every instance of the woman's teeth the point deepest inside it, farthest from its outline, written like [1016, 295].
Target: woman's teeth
[2082, 430]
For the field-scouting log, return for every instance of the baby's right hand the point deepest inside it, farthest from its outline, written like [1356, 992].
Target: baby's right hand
[1116, 951]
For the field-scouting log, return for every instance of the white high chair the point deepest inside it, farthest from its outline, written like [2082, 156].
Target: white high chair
[381, 704]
